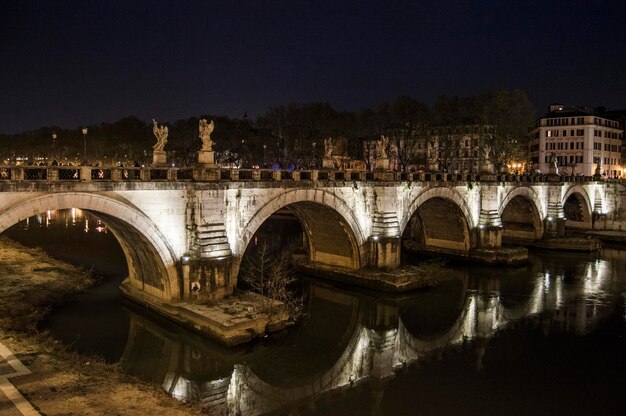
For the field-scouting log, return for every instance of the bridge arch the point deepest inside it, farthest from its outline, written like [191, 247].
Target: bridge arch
[577, 207]
[428, 218]
[521, 213]
[333, 232]
[151, 262]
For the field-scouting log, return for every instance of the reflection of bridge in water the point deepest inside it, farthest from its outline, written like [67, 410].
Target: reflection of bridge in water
[370, 338]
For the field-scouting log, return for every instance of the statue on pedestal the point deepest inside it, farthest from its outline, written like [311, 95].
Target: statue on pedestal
[206, 129]
[161, 135]
[381, 147]
[328, 148]
[554, 165]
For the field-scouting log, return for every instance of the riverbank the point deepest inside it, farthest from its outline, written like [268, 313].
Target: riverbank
[62, 382]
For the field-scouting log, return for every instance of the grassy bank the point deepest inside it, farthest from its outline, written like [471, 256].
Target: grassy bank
[62, 382]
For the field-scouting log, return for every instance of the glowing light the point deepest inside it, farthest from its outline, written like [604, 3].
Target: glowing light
[550, 218]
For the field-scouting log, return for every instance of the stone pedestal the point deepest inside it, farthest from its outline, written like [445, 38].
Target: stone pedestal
[487, 168]
[328, 164]
[159, 158]
[207, 158]
[382, 164]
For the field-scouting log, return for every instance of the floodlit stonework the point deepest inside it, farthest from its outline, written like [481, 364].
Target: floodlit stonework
[181, 234]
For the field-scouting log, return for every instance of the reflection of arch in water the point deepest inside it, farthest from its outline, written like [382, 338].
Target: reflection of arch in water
[266, 384]
[164, 353]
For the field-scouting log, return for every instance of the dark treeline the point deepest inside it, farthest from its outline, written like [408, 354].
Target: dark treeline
[292, 135]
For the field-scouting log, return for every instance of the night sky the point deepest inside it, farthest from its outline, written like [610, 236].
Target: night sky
[70, 63]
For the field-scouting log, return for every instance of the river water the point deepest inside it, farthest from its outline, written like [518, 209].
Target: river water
[544, 339]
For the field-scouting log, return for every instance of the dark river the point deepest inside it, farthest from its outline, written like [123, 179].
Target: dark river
[548, 338]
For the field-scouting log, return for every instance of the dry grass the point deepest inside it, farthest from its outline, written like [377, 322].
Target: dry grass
[63, 382]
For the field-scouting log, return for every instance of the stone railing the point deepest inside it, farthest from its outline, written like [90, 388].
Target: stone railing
[172, 174]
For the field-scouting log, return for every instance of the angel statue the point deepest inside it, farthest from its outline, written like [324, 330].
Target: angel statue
[381, 147]
[161, 135]
[206, 129]
[328, 148]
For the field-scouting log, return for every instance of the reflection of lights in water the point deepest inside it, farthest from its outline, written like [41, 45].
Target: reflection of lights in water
[594, 279]
[546, 282]
[101, 228]
[469, 321]
[73, 216]
[86, 225]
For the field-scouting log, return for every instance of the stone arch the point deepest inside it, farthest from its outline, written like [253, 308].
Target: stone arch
[521, 214]
[151, 262]
[435, 228]
[577, 207]
[334, 234]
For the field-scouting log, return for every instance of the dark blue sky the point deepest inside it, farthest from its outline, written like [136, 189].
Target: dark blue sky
[69, 63]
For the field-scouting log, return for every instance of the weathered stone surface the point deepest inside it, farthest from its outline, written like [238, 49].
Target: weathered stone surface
[171, 231]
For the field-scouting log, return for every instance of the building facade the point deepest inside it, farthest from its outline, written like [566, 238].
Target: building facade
[580, 141]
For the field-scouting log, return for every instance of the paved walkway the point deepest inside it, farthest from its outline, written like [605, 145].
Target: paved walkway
[11, 400]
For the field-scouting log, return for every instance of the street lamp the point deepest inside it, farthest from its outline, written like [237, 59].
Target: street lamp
[85, 143]
[264, 153]
[54, 139]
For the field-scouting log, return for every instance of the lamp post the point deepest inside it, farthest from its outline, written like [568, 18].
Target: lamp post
[264, 154]
[54, 139]
[85, 143]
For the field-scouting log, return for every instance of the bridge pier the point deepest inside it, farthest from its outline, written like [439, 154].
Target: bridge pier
[206, 279]
[384, 252]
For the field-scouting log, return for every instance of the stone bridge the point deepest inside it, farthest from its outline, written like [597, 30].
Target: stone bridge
[178, 227]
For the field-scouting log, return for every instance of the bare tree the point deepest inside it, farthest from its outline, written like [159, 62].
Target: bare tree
[273, 278]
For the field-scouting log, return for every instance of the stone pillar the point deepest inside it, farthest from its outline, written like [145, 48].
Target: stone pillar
[328, 164]
[207, 279]
[384, 252]
[85, 173]
[385, 244]
[207, 276]
[159, 158]
[489, 232]
[554, 223]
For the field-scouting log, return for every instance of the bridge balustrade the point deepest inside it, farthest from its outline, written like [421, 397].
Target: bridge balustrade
[5, 174]
[100, 174]
[70, 174]
[36, 174]
[187, 174]
[245, 175]
[158, 174]
[131, 174]
[88, 173]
